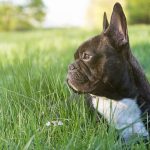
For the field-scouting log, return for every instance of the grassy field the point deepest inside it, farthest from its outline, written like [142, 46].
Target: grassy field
[33, 91]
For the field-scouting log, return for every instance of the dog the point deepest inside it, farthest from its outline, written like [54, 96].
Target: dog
[107, 71]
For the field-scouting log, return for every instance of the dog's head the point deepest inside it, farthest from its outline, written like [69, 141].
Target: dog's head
[101, 64]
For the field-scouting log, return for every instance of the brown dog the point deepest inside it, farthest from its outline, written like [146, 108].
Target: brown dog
[105, 68]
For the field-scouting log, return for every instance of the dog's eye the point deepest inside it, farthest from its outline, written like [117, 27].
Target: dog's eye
[86, 56]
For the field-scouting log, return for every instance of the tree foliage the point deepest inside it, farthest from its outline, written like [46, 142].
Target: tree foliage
[138, 11]
[21, 17]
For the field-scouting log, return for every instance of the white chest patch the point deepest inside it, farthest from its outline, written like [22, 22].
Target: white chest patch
[124, 114]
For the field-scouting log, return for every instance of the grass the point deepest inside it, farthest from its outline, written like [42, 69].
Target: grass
[33, 91]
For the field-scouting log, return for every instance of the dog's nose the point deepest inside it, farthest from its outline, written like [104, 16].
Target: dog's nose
[71, 67]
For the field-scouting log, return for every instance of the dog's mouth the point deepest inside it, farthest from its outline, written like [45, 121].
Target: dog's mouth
[75, 81]
[81, 86]
[71, 85]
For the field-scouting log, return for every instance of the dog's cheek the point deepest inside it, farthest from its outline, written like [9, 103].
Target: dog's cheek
[105, 79]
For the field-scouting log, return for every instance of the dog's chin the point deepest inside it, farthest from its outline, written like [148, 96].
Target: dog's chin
[72, 86]
[79, 90]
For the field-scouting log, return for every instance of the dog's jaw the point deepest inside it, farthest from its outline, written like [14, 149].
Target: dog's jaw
[72, 86]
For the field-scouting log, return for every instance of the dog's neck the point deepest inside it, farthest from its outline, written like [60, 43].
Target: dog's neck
[123, 87]
[140, 79]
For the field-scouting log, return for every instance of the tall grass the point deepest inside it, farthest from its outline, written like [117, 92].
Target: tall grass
[33, 91]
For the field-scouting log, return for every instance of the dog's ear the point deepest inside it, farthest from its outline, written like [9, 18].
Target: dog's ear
[105, 22]
[118, 26]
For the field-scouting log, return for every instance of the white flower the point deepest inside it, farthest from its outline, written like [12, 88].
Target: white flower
[60, 123]
[55, 123]
[48, 124]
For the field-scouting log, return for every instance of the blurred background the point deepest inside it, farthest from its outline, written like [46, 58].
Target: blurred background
[34, 14]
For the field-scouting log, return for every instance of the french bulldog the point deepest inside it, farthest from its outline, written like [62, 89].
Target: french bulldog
[107, 71]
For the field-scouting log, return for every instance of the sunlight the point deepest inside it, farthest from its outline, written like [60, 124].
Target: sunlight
[65, 12]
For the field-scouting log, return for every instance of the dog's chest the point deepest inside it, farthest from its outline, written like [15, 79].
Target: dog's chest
[117, 112]
[122, 114]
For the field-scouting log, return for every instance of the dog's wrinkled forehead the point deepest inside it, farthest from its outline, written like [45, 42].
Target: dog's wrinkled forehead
[89, 46]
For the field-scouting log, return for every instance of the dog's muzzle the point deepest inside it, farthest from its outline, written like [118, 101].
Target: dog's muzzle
[75, 74]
